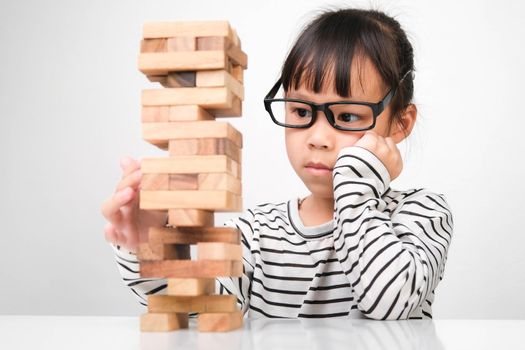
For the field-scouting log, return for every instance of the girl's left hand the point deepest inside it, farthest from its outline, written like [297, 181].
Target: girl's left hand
[385, 149]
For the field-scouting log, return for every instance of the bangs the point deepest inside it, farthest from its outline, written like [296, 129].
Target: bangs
[325, 50]
[316, 73]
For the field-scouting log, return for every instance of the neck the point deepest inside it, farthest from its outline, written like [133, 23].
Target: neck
[316, 210]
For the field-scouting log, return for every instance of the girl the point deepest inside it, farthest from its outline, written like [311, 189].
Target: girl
[354, 247]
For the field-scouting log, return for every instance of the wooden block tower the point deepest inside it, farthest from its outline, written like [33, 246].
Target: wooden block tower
[200, 67]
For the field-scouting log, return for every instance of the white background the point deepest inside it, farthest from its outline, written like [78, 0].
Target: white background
[70, 108]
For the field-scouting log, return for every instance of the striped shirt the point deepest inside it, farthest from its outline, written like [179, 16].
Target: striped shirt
[381, 256]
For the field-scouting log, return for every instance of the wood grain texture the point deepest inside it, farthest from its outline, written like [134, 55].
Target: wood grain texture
[191, 165]
[220, 321]
[180, 79]
[204, 147]
[190, 268]
[155, 182]
[193, 235]
[219, 77]
[156, 114]
[161, 63]
[155, 251]
[218, 251]
[234, 111]
[161, 133]
[206, 97]
[190, 286]
[190, 218]
[200, 303]
[201, 199]
[181, 43]
[163, 322]
[153, 45]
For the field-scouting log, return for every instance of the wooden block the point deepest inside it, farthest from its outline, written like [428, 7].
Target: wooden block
[180, 79]
[160, 63]
[220, 321]
[190, 269]
[191, 286]
[207, 200]
[180, 182]
[181, 43]
[211, 181]
[199, 303]
[191, 165]
[161, 133]
[216, 43]
[157, 78]
[158, 251]
[155, 114]
[163, 322]
[204, 147]
[235, 38]
[188, 113]
[238, 73]
[155, 182]
[218, 251]
[206, 97]
[187, 28]
[237, 56]
[153, 45]
[234, 111]
[144, 252]
[190, 147]
[193, 235]
[190, 217]
[217, 182]
[213, 43]
[212, 78]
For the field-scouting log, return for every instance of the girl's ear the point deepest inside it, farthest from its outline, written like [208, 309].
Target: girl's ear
[404, 126]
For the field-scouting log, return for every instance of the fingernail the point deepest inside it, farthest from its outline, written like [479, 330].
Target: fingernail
[124, 161]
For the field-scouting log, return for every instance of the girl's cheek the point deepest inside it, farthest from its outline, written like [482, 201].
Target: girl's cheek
[350, 140]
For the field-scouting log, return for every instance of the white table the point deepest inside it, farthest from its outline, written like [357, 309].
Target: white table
[97, 333]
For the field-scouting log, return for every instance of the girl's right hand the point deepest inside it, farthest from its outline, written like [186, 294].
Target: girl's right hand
[128, 225]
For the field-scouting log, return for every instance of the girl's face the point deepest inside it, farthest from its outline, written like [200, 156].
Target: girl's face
[321, 142]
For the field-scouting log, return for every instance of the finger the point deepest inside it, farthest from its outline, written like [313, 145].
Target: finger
[111, 207]
[113, 236]
[132, 180]
[110, 234]
[128, 165]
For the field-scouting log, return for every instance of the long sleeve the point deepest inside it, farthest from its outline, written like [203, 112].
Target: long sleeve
[393, 257]
[241, 286]
[128, 266]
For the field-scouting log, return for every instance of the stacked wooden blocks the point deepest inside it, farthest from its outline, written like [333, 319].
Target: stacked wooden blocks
[200, 66]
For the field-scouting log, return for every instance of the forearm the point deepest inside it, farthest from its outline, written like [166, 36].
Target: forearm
[128, 266]
[392, 265]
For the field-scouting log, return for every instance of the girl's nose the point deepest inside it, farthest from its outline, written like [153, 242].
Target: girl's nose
[321, 133]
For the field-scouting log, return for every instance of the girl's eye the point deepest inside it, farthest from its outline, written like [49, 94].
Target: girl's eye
[348, 117]
[302, 112]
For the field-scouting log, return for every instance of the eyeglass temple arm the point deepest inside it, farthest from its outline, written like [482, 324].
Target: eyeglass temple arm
[389, 97]
[275, 88]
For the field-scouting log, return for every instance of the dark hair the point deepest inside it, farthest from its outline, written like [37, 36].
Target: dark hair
[335, 37]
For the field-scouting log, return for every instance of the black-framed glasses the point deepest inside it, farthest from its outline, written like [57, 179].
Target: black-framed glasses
[342, 115]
